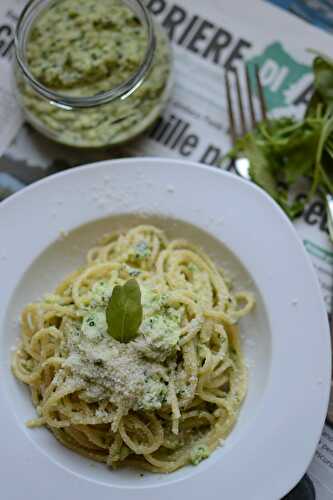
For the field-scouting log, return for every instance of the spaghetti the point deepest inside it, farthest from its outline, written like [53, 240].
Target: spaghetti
[163, 400]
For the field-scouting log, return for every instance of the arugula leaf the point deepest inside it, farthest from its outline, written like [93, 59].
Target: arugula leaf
[322, 98]
[124, 311]
[260, 171]
[323, 77]
[283, 151]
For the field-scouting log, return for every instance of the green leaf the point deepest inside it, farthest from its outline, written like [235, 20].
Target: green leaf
[283, 151]
[312, 107]
[124, 311]
[323, 75]
[323, 84]
[260, 171]
[326, 132]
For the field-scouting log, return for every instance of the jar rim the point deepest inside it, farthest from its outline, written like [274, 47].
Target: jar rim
[122, 90]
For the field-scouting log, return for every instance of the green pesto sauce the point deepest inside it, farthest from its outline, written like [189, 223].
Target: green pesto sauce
[83, 48]
[133, 373]
[199, 453]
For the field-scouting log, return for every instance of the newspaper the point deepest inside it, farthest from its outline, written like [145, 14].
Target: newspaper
[207, 37]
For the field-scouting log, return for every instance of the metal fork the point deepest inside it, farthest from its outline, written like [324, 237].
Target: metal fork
[244, 125]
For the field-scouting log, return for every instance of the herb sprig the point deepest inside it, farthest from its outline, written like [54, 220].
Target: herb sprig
[124, 311]
[282, 151]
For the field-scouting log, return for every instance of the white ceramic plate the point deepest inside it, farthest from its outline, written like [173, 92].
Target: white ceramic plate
[286, 340]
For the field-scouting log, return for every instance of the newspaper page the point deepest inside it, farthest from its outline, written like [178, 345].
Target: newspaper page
[208, 38]
[10, 115]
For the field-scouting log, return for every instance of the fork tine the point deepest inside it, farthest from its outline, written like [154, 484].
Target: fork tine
[262, 99]
[230, 109]
[240, 105]
[250, 95]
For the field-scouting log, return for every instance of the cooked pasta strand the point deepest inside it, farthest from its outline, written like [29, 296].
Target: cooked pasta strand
[159, 401]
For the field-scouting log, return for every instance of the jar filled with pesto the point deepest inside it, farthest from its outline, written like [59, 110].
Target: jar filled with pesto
[91, 73]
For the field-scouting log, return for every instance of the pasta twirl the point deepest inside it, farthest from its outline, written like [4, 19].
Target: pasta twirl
[163, 400]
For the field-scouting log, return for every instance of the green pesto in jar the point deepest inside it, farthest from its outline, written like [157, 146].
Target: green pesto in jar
[82, 48]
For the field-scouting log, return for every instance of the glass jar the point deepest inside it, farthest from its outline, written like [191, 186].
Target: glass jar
[91, 73]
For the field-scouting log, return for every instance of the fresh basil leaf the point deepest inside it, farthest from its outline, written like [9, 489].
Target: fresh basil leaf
[124, 311]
